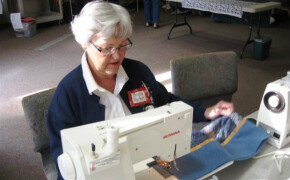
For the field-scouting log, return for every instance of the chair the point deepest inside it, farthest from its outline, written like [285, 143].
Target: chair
[35, 108]
[205, 78]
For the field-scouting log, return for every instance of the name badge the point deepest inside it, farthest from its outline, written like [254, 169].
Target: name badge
[139, 97]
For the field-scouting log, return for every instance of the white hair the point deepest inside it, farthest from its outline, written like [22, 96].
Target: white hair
[101, 19]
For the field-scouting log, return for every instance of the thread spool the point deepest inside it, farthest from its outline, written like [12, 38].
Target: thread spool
[112, 139]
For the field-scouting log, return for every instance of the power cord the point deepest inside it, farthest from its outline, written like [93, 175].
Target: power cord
[277, 155]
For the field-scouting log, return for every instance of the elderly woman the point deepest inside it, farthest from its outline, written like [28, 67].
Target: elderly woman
[104, 85]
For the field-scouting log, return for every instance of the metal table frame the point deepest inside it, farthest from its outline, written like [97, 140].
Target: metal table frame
[176, 24]
[254, 9]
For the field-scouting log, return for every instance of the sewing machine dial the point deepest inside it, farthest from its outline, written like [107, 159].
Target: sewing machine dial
[274, 101]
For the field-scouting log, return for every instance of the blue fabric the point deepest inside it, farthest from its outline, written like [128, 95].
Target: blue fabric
[219, 129]
[151, 6]
[246, 143]
[200, 162]
[72, 105]
[223, 126]
[197, 137]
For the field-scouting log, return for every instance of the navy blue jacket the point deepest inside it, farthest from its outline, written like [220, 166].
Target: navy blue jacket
[72, 105]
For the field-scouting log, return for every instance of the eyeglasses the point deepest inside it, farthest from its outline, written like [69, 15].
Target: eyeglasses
[111, 50]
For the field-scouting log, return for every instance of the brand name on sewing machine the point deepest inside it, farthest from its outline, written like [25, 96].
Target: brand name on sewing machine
[171, 134]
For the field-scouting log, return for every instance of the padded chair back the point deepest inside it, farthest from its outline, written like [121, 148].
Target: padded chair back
[35, 108]
[205, 78]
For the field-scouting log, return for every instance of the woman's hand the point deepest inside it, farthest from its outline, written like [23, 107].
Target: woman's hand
[221, 108]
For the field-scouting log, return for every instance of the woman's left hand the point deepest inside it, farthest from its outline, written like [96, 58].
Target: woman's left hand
[222, 108]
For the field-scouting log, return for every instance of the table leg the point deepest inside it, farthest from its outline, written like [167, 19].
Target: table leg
[176, 24]
[71, 10]
[249, 41]
[259, 24]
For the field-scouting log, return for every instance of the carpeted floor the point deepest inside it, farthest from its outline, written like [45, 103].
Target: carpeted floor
[32, 64]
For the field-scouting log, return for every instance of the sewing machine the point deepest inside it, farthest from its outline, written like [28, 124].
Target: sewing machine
[109, 149]
[274, 112]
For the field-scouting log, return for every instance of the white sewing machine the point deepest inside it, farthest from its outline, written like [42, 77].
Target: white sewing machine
[109, 149]
[274, 112]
